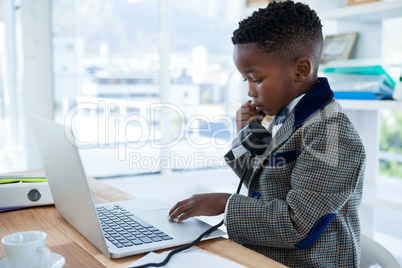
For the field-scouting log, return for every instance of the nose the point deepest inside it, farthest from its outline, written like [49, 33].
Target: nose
[252, 93]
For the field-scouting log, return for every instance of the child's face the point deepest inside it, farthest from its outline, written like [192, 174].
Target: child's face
[270, 84]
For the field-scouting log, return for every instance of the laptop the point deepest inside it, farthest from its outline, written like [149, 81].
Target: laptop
[117, 229]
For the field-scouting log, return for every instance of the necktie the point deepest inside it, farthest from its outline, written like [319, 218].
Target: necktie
[278, 119]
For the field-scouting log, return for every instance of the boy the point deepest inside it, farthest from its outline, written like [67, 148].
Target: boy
[304, 191]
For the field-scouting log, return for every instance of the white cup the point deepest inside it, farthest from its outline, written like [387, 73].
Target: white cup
[26, 249]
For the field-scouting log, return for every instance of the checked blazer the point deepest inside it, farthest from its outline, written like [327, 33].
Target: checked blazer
[305, 190]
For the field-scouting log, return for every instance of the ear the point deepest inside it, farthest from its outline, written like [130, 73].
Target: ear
[303, 69]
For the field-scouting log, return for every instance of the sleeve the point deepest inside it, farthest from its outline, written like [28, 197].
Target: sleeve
[239, 164]
[325, 175]
[238, 149]
[226, 208]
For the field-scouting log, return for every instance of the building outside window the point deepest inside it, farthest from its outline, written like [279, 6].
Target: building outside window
[107, 82]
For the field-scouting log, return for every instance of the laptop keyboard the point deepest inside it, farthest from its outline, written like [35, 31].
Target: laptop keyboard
[124, 229]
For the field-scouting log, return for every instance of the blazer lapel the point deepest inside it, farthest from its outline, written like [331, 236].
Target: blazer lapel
[315, 99]
[284, 133]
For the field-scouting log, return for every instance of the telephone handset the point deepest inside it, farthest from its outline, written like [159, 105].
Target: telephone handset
[255, 138]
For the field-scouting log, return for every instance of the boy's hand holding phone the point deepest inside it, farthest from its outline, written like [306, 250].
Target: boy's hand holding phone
[247, 114]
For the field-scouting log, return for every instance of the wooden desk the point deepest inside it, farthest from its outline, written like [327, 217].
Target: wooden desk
[79, 252]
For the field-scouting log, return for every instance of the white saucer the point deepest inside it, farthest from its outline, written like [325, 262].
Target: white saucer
[56, 261]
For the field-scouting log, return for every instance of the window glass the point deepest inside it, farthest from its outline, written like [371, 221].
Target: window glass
[201, 71]
[107, 69]
[12, 152]
[391, 144]
[391, 121]
[106, 65]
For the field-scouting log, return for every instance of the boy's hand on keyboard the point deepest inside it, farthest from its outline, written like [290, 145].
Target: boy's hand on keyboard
[199, 205]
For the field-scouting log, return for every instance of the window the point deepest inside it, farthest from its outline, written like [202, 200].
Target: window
[110, 82]
[201, 69]
[12, 152]
[391, 144]
[391, 121]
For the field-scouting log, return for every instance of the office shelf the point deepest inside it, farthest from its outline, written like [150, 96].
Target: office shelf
[375, 11]
[371, 105]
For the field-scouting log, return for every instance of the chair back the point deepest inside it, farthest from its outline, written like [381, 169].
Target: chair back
[373, 254]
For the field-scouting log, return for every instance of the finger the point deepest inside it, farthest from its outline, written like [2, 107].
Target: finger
[245, 119]
[180, 210]
[186, 215]
[178, 204]
[173, 213]
[247, 112]
[248, 104]
[248, 107]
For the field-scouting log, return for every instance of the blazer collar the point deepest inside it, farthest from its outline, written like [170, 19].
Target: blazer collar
[316, 98]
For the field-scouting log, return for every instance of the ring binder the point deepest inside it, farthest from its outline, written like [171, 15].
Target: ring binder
[19, 191]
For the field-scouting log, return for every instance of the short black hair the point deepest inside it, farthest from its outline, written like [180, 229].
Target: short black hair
[285, 30]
